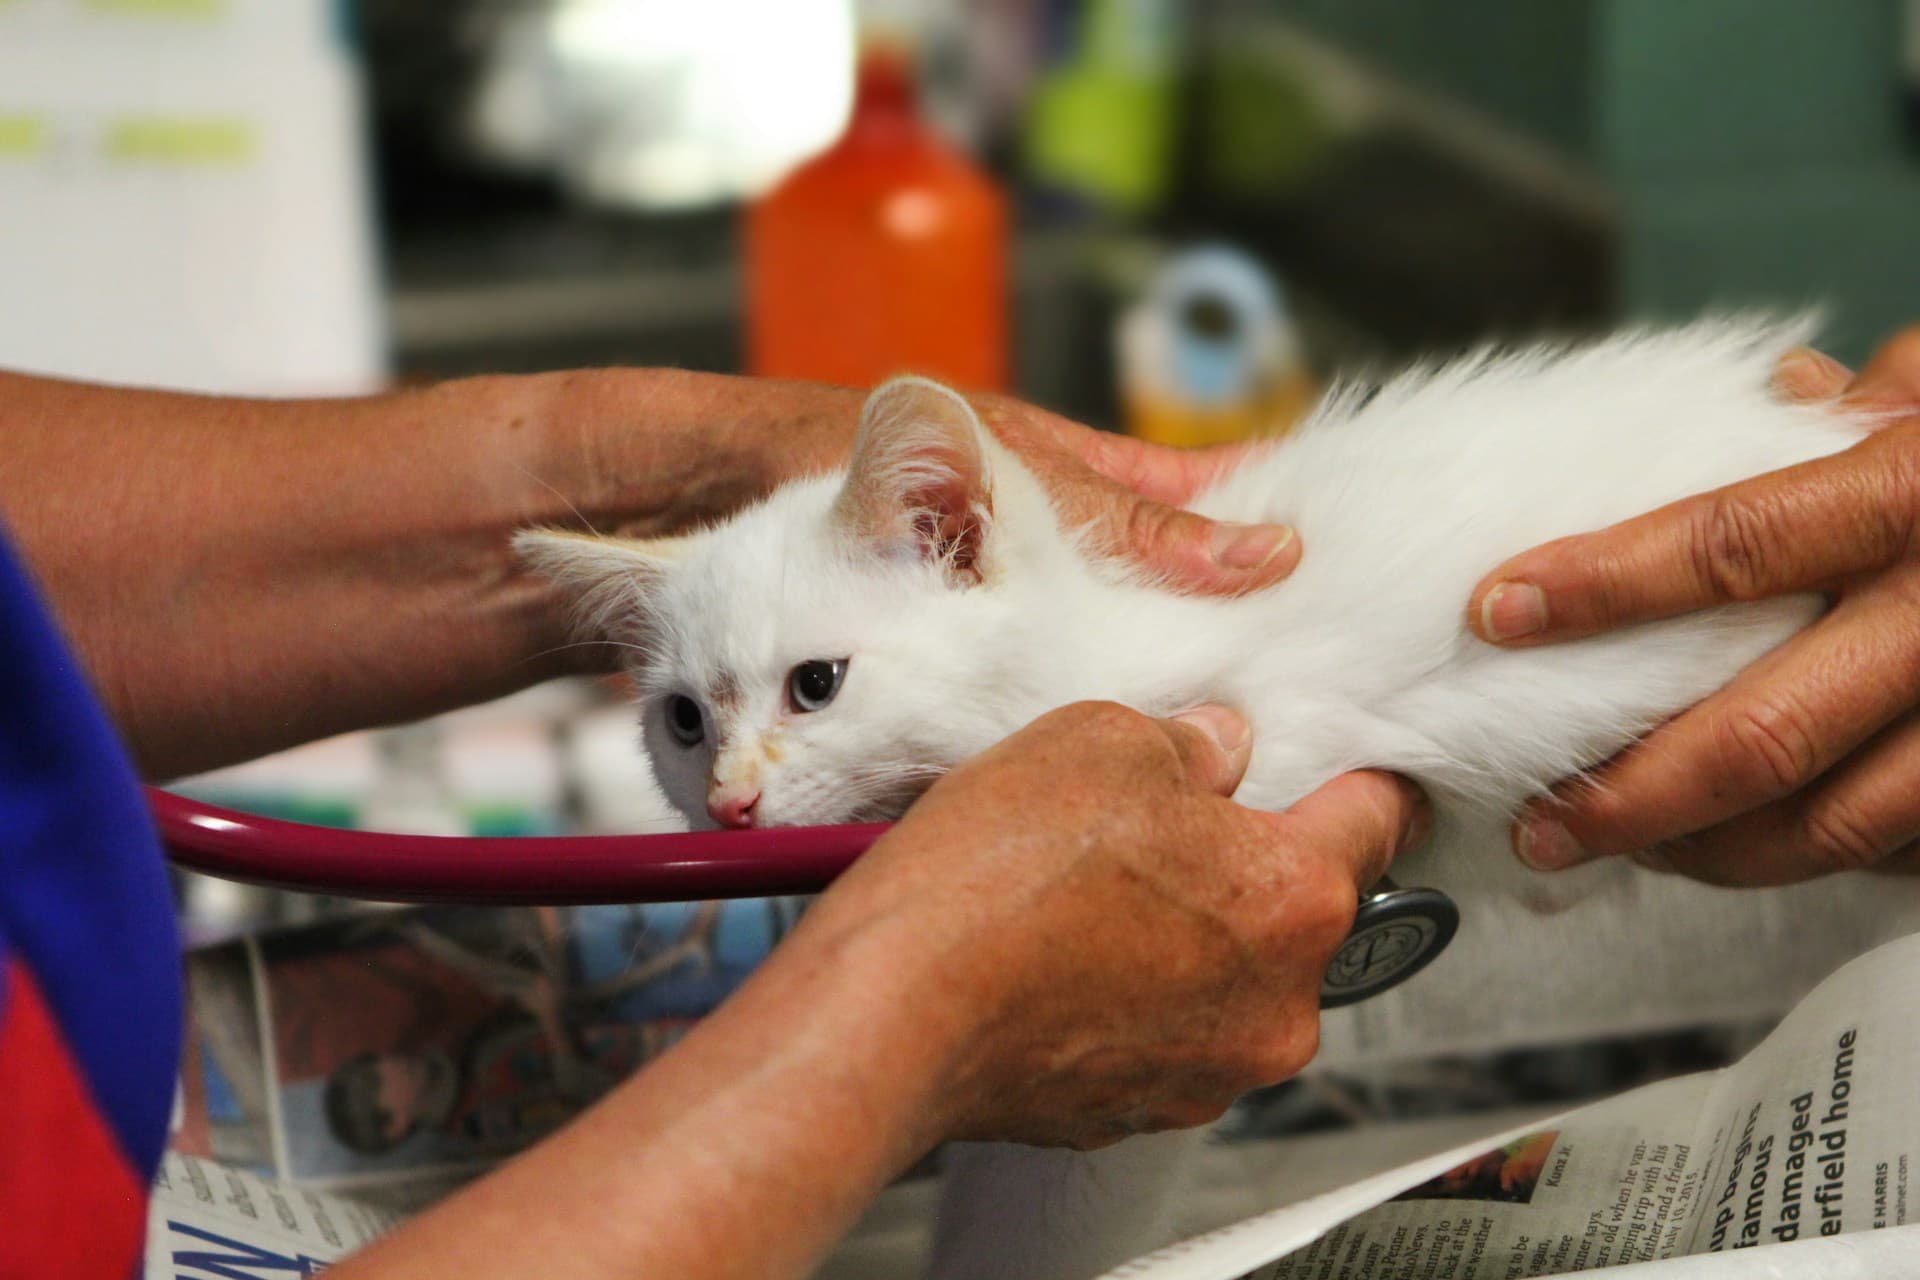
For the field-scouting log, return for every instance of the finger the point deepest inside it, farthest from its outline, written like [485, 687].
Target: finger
[1806, 374]
[1190, 552]
[1215, 744]
[1125, 494]
[1891, 379]
[1799, 529]
[1158, 472]
[1862, 815]
[1780, 724]
[1364, 820]
[1209, 556]
[1187, 552]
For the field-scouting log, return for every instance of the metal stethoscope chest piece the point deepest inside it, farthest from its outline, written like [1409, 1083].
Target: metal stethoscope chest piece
[1396, 933]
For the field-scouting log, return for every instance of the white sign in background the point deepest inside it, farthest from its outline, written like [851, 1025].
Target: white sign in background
[184, 197]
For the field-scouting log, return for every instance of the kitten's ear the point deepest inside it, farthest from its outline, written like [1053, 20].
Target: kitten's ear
[919, 480]
[608, 579]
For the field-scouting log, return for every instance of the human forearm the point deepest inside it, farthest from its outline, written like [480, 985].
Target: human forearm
[243, 575]
[745, 1152]
[1070, 938]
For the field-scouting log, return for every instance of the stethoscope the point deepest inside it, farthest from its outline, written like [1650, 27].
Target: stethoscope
[1396, 932]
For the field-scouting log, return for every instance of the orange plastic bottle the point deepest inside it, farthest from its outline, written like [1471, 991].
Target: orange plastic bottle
[885, 254]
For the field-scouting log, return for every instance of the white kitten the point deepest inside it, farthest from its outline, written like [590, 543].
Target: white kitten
[823, 656]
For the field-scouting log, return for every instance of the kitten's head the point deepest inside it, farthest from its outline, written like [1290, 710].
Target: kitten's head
[823, 656]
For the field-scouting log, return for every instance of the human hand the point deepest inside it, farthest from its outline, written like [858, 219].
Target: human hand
[1809, 761]
[1129, 494]
[1118, 947]
[626, 469]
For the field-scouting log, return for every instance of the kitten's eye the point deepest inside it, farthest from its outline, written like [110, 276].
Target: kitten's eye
[811, 685]
[684, 721]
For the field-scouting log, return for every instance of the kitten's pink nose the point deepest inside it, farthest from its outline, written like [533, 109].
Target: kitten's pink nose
[732, 808]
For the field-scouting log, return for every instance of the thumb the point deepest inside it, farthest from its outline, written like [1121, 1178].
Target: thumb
[1215, 744]
[1363, 818]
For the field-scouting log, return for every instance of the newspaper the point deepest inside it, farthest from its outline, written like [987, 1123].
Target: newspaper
[210, 1222]
[1642, 953]
[393, 1055]
[1811, 1136]
[399, 1053]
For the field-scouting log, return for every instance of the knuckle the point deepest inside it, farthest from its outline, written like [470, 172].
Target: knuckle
[1902, 509]
[1105, 452]
[1130, 739]
[1590, 804]
[1618, 593]
[1096, 717]
[1839, 837]
[1112, 720]
[1286, 1055]
[1732, 549]
[1320, 912]
[1150, 526]
[1768, 748]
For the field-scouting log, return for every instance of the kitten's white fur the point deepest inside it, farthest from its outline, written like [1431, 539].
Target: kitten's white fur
[937, 568]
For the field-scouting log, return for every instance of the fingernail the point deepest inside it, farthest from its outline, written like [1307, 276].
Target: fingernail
[1248, 546]
[1654, 860]
[1225, 726]
[1512, 610]
[1545, 845]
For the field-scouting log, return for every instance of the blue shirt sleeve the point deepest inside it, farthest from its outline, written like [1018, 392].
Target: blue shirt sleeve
[85, 902]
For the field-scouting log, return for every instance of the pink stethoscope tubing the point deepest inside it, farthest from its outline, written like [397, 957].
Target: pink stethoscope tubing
[1396, 932]
[550, 870]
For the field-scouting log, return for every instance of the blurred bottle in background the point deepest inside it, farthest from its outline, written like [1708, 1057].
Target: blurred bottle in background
[1101, 126]
[1210, 353]
[886, 254]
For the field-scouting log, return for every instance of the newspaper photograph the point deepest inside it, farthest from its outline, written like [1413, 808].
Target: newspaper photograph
[422, 1045]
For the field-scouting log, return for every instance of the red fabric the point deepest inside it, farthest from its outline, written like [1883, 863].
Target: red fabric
[74, 1207]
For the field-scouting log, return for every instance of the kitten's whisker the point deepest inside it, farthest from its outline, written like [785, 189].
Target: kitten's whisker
[577, 513]
[584, 644]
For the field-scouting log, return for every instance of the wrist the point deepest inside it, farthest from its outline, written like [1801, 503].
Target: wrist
[909, 966]
[745, 1150]
[486, 436]
[885, 996]
[650, 452]
[653, 452]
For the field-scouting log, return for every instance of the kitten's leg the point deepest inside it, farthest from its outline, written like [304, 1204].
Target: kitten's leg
[1031, 1213]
